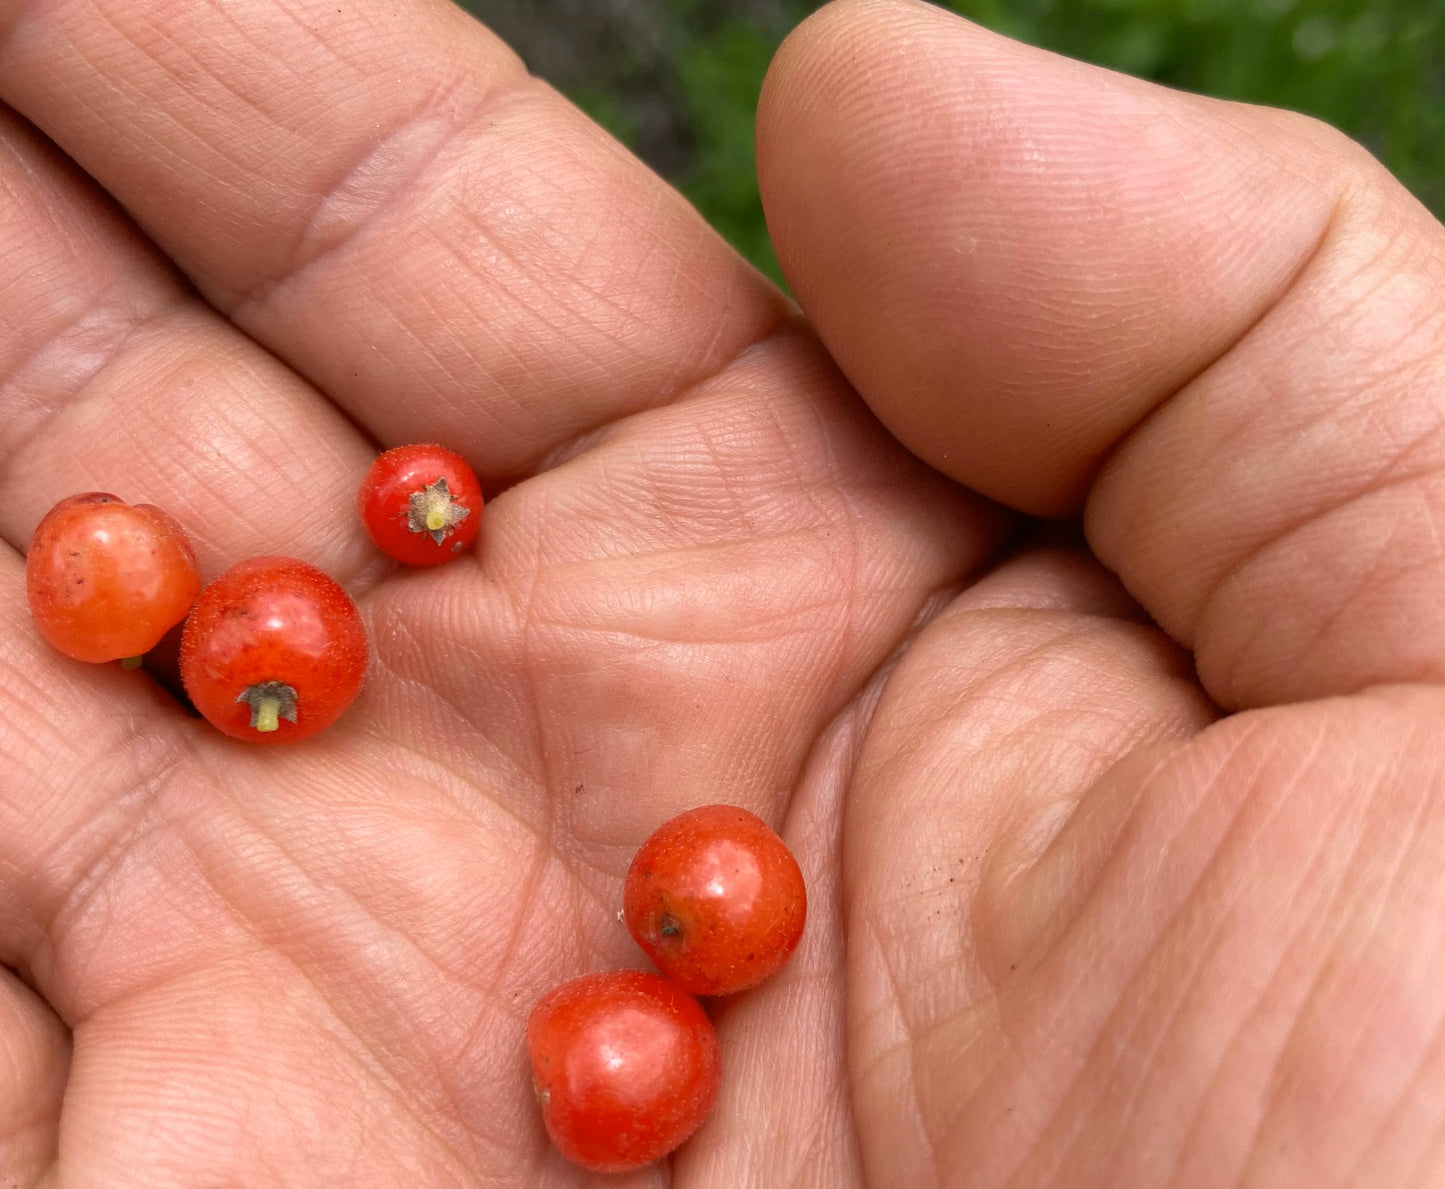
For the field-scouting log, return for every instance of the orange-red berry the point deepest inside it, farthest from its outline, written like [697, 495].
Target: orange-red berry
[274, 651]
[421, 504]
[106, 579]
[625, 1066]
[716, 899]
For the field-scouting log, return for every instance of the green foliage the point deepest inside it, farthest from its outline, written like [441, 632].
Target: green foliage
[719, 77]
[609, 109]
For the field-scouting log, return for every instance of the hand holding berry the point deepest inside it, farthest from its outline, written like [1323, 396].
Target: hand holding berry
[1071, 923]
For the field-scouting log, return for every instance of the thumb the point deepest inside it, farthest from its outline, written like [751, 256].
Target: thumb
[1219, 327]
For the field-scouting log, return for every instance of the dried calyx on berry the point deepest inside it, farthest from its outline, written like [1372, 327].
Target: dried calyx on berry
[420, 504]
[433, 510]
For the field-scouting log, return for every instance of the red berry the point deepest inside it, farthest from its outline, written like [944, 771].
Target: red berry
[107, 579]
[421, 504]
[625, 1066]
[716, 899]
[274, 651]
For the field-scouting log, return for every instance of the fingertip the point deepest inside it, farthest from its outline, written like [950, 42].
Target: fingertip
[1015, 256]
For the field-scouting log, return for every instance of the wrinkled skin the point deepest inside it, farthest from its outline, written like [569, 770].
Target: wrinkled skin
[1095, 902]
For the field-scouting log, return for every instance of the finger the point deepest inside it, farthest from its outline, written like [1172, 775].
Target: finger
[381, 195]
[115, 378]
[240, 1072]
[82, 748]
[1006, 711]
[1057, 260]
[1020, 254]
[1252, 976]
[34, 1059]
[1105, 947]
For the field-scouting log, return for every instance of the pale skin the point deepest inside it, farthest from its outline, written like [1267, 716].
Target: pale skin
[1095, 902]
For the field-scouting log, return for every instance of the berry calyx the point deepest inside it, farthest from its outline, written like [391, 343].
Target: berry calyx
[421, 504]
[270, 702]
[273, 651]
[716, 899]
[106, 579]
[625, 1066]
[432, 510]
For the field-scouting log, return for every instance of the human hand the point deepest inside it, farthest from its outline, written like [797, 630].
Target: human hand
[1059, 929]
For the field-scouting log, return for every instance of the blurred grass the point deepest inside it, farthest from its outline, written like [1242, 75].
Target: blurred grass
[678, 79]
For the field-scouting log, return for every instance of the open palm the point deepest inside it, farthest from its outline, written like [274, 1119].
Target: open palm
[1064, 930]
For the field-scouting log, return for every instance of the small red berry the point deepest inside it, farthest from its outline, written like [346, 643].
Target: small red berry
[625, 1066]
[716, 899]
[107, 579]
[273, 651]
[420, 504]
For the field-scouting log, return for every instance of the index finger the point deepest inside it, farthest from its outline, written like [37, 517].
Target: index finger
[380, 194]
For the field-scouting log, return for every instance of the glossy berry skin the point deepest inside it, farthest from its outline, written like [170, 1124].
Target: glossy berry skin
[625, 1066]
[106, 579]
[716, 899]
[273, 623]
[421, 505]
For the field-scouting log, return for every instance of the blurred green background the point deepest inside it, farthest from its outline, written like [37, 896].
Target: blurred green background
[677, 80]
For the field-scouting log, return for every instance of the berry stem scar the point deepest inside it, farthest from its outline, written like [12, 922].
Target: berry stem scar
[270, 702]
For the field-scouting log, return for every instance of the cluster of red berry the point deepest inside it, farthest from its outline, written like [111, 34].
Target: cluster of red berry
[273, 650]
[625, 1064]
